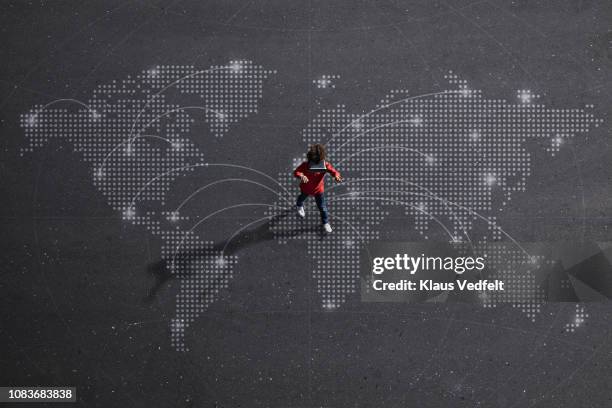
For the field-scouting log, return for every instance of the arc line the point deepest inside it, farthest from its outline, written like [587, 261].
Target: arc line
[204, 108]
[433, 195]
[212, 215]
[410, 193]
[42, 108]
[103, 165]
[168, 86]
[191, 166]
[269, 217]
[453, 238]
[387, 106]
[383, 148]
[487, 220]
[224, 181]
[397, 122]
[238, 231]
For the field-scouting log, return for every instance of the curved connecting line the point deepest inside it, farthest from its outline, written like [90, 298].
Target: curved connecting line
[226, 180]
[487, 220]
[432, 195]
[428, 157]
[397, 122]
[212, 215]
[137, 136]
[42, 108]
[204, 108]
[239, 230]
[272, 216]
[191, 166]
[387, 106]
[166, 87]
[101, 168]
[453, 238]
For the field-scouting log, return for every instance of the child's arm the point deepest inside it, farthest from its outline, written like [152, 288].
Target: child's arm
[299, 172]
[335, 173]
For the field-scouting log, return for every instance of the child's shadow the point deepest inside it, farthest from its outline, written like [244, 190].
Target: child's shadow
[162, 272]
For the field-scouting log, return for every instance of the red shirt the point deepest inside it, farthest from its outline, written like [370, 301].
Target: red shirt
[315, 184]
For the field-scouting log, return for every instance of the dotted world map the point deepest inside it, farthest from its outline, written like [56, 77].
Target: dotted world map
[450, 160]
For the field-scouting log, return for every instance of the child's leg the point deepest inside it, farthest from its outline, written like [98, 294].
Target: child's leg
[300, 200]
[322, 205]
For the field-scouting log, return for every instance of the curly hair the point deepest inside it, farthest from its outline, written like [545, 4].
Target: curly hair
[316, 153]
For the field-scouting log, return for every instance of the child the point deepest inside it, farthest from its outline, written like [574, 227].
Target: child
[311, 174]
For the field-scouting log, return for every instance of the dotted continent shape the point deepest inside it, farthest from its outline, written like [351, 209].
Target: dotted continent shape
[443, 158]
[136, 140]
[450, 159]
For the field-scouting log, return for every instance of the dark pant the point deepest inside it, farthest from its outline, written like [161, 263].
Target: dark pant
[321, 205]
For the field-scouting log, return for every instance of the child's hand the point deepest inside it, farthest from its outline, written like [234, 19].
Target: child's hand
[338, 178]
[304, 178]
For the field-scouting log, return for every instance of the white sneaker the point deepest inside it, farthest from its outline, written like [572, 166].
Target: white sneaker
[301, 212]
[327, 228]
